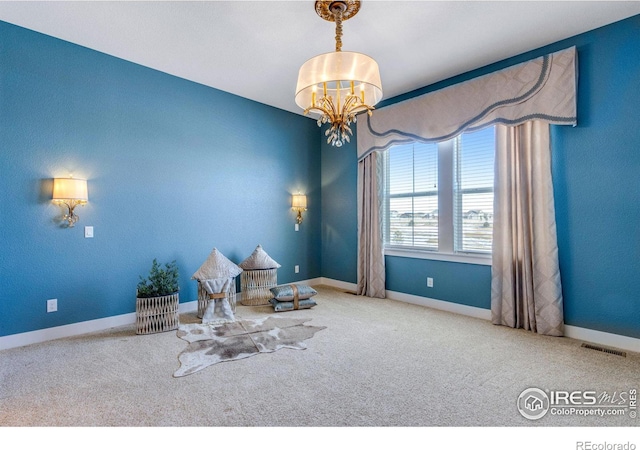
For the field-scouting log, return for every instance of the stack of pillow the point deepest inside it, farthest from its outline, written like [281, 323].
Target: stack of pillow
[289, 297]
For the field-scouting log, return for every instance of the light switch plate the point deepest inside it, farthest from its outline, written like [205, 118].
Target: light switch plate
[88, 232]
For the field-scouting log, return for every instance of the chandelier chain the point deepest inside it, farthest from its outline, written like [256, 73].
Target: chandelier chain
[338, 14]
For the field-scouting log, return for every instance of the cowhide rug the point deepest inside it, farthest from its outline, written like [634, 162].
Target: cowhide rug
[211, 344]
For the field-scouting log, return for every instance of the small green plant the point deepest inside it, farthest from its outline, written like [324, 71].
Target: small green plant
[161, 281]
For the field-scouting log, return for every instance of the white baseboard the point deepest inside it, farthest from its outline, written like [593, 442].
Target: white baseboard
[578, 333]
[457, 308]
[188, 307]
[91, 326]
[337, 284]
[602, 338]
[311, 281]
[75, 329]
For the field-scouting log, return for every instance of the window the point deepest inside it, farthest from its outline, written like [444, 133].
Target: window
[438, 197]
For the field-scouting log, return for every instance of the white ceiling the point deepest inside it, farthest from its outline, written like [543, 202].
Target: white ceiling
[255, 48]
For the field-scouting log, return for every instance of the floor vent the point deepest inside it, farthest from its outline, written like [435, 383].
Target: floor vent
[606, 350]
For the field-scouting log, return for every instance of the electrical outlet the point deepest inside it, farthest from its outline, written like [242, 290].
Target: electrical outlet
[52, 305]
[429, 282]
[296, 269]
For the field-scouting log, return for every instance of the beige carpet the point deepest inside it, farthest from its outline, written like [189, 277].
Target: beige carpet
[378, 363]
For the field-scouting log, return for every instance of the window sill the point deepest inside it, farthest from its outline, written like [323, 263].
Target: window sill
[466, 258]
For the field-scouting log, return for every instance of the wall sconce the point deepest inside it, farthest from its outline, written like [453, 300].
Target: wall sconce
[70, 192]
[299, 203]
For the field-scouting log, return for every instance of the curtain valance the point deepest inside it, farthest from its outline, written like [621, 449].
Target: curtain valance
[542, 89]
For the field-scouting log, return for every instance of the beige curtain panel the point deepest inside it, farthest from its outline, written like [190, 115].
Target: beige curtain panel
[526, 291]
[371, 269]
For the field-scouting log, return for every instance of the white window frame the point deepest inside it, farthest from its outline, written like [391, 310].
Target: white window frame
[446, 234]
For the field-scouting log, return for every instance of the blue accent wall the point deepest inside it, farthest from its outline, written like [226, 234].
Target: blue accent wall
[174, 169]
[339, 211]
[596, 169]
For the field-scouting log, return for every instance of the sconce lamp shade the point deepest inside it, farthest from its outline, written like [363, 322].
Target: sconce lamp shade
[299, 202]
[70, 192]
[70, 189]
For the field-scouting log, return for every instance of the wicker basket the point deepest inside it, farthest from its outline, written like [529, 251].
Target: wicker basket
[203, 298]
[255, 285]
[157, 314]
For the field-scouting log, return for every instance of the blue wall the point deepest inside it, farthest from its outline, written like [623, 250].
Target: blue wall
[339, 211]
[596, 168]
[174, 168]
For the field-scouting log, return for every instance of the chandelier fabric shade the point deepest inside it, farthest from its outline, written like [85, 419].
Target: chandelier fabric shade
[339, 70]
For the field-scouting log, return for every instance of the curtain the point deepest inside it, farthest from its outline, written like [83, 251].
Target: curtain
[371, 275]
[542, 89]
[526, 290]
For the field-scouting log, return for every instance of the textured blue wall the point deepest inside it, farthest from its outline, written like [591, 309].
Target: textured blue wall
[174, 168]
[597, 192]
[339, 211]
[597, 185]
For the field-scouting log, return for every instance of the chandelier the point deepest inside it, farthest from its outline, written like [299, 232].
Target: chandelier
[338, 85]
